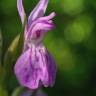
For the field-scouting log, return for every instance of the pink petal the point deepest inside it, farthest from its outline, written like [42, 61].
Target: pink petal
[21, 10]
[38, 11]
[50, 16]
[49, 75]
[35, 67]
[25, 72]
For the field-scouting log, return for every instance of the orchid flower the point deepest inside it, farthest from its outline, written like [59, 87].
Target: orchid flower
[35, 67]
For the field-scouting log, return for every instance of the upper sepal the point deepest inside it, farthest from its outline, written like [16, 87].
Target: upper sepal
[38, 11]
[21, 11]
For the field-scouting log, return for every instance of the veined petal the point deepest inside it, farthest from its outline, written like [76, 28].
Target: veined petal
[45, 21]
[42, 19]
[49, 74]
[50, 16]
[34, 67]
[41, 27]
[21, 10]
[25, 72]
[38, 11]
[44, 26]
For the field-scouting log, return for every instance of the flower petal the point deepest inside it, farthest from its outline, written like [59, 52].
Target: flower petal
[38, 11]
[45, 21]
[35, 65]
[42, 19]
[44, 26]
[49, 73]
[21, 10]
[50, 16]
[25, 72]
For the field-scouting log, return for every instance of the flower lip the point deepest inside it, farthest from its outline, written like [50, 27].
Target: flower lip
[29, 74]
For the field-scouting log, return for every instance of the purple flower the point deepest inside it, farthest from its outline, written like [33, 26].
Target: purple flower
[35, 67]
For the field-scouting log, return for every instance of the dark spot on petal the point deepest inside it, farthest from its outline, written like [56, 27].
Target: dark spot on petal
[25, 69]
[38, 34]
[27, 78]
[39, 50]
[46, 55]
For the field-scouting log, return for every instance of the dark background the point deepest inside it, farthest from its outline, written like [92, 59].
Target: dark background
[72, 43]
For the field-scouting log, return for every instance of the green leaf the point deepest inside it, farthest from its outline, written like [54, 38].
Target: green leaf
[9, 61]
[10, 55]
[17, 91]
[15, 49]
[10, 58]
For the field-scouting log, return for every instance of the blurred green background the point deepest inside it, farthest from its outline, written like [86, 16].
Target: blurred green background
[72, 43]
